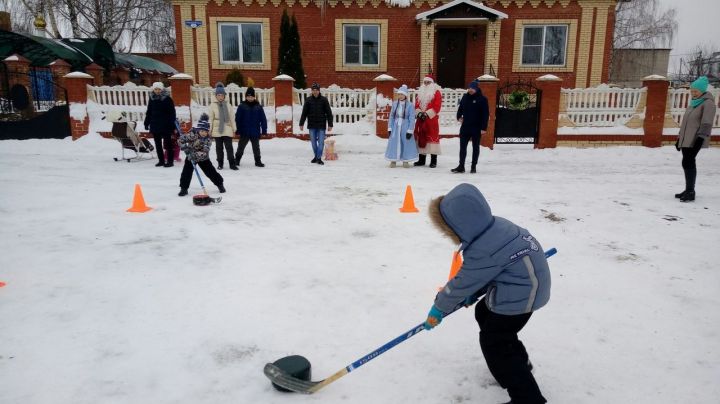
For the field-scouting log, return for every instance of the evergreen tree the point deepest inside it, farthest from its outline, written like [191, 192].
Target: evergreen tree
[283, 56]
[296, 55]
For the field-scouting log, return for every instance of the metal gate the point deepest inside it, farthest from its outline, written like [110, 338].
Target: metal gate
[517, 115]
[40, 113]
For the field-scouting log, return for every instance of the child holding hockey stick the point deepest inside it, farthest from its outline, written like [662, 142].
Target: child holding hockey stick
[505, 263]
[196, 144]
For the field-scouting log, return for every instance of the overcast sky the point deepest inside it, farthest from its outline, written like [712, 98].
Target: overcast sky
[697, 25]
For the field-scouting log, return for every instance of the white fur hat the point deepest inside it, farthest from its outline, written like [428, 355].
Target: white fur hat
[403, 90]
[158, 84]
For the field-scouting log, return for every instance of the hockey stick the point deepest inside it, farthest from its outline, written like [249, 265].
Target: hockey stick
[287, 381]
[197, 173]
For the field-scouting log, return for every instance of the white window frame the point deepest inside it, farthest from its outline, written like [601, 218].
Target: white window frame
[239, 25]
[379, 45]
[542, 45]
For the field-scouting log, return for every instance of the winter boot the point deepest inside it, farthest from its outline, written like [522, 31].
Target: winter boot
[259, 163]
[314, 160]
[183, 192]
[160, 164]
[221, 188]
[421, 160]
[688, 196]
[319, 161]
[393, 164]
[680, 195]
[473, 169]
[220, 165]
[233, 166]
[458, 169]
[169, 164]
[237, 159]
[406, 164]
[433, 161]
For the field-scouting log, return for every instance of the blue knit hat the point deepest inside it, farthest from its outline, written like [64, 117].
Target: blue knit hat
[701, 84]
[203, 123]
[219, 88]
[474, 85]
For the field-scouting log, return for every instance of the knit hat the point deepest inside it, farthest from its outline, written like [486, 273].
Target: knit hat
[315, 86]
[203, 123]
[219, 88]
[701, 84]
[403, 90]
[474, 85]
[250, 92]
[158, 84]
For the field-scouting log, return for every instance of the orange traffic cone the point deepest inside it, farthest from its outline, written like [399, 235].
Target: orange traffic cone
[138, 205]
[409, 202]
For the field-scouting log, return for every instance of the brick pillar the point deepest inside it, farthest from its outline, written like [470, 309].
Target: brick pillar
[59, 69]
[383, 103]
[76, 84]
[283, 105]
[657, 92]
[549, 110]
[18, 64]
[121, 75]
[488, 85]
[180, 85]
[96, 71]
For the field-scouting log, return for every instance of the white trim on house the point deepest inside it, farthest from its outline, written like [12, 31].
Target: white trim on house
[424, 15]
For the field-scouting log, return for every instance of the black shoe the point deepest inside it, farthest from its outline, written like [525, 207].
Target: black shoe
[680, 195]
[170, 164]
[237, 161]
[458, 169]
[421, 160]
[183, 192]
[432, 165]
[234, 167]
[221, 188]
[473, 170]
[688, 197]
[418, 164]
[160, 164]
[314, 160]
[433, 161]
[320, 162]
[259, 164]
[220, 166]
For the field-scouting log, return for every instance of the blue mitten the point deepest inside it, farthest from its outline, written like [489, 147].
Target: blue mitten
[434, 318]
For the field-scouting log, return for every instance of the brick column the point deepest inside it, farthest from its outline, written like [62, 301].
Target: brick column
[76, 84]
[21, 66]
[181, 94]
[121, 75]
[59, 69]
[97, 72]
[283, 105]
[657, 92]
[384, 92]
[549, 110]
[488, 85]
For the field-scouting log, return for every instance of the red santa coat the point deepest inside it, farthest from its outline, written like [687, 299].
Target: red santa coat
[427, 132]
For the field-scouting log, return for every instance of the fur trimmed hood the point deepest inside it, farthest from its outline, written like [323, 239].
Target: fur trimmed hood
[438, 221]
[462, 214]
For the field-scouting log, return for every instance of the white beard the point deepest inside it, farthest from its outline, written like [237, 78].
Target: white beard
[426, 93]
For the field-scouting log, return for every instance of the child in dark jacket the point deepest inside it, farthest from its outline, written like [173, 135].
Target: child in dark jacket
[251, 122]
[196, 144]
[505, 263]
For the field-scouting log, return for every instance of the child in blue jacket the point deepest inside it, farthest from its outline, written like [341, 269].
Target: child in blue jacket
[507, 265]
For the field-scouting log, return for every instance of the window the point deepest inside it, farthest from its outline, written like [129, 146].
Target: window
[544, 45]
[361, 44]
[241, 43]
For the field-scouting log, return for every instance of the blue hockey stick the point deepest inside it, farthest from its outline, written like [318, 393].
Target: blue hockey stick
[287, 381]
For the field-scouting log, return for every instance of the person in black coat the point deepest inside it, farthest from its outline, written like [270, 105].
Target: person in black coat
[473, 113]
[316, 110]
[160, 121]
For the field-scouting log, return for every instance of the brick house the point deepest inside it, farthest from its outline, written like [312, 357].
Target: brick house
[349, 42]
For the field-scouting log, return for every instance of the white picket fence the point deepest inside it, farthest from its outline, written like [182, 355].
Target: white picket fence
[601, 105]
[234, 94]
[450, 102]
[678, 99]
[132, 98]
[348, 105]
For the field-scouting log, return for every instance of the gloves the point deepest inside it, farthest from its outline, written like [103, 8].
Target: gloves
[421, 116]
[408, 135]
[677, 145]
[434, 318]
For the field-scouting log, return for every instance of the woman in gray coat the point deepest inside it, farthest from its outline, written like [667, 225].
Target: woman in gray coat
[694, 133]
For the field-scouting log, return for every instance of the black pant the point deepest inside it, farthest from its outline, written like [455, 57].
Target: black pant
[254, 141]
[206, 166]
[169, 145]
[225, 141]
[505, 354]
[689, 154]
[464, 139]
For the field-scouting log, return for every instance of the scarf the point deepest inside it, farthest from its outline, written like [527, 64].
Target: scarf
[695, 102]
[222, 116]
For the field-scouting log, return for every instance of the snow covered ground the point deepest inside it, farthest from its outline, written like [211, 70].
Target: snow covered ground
[186, 304]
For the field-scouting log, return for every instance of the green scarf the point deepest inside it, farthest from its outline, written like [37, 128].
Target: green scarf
[695, 102]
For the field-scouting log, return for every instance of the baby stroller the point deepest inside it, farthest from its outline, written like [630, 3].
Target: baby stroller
[124, 132]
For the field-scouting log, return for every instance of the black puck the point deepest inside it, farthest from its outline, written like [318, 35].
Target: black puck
[295, 365]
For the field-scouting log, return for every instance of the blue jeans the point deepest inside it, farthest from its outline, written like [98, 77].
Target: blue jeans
[317, 141]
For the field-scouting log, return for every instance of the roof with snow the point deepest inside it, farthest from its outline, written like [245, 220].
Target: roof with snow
[462, 10]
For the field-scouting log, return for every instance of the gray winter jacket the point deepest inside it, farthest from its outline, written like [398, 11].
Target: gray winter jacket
[697, 121]
[500, 258]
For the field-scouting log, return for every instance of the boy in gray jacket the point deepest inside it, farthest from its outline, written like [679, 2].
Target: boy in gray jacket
[503, 262]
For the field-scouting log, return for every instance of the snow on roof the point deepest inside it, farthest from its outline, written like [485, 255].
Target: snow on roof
[181, 76]
[454, 3]
[78, 75]
[549, 77]
[283, 77]
[384, 77]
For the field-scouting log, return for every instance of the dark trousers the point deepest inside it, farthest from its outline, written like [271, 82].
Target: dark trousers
[255, 142]
[505, 354]
[226, 142]
[464, 139]
[169, 145]
[206, 166]
[688, 164]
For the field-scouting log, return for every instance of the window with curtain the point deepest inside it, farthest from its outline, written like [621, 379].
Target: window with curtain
[361, 44]
[241, 43]
[544, 45]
